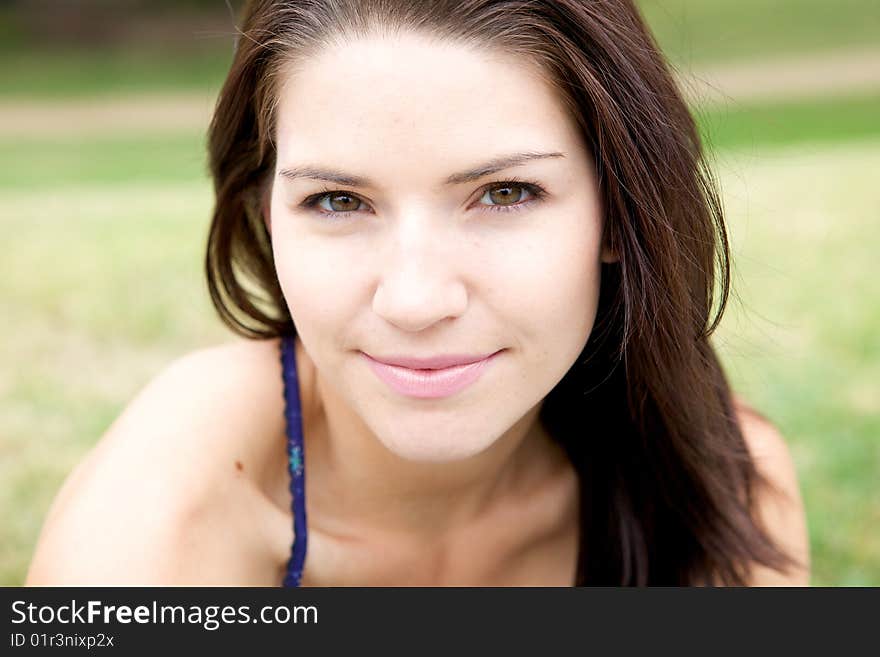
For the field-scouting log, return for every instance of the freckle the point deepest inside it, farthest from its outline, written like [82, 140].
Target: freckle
[239, 466]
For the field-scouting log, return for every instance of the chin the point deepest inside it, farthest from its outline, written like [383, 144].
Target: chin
[435, 451]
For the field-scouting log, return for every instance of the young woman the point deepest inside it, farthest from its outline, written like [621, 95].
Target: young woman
[474, 249]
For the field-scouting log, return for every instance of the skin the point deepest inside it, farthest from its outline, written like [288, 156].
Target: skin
[432, 268]
[465, 490]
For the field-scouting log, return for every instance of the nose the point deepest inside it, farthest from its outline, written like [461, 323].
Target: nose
[421, 281]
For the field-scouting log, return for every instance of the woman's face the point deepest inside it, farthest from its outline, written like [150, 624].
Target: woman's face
[419, 261]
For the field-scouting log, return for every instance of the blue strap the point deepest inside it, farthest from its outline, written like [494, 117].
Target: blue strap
[296, 463]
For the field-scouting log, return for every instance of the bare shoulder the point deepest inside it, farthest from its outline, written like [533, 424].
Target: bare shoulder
[780, 508]
[149, 502]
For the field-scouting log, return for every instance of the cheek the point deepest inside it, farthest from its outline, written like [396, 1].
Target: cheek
[315, 287]
[551, 280]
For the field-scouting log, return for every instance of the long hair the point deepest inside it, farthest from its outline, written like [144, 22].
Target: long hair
[646, 415]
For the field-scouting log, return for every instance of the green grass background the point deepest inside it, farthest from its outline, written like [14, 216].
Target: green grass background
[101, 279]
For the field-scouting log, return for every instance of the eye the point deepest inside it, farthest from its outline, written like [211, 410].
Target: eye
[332, 203]
[507, 196]
[339, 202]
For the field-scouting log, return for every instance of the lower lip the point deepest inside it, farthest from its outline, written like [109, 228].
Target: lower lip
[429, 384]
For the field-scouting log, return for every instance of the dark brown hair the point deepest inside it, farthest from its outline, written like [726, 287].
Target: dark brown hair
[668, 486]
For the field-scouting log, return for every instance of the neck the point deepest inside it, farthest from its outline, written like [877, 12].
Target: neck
[366, 486]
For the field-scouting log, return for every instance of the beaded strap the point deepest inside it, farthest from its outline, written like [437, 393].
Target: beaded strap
[295, 453]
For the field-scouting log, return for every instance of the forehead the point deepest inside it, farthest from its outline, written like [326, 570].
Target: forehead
[418, 100]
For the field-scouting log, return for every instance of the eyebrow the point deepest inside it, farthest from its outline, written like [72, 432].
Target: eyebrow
[492, 166]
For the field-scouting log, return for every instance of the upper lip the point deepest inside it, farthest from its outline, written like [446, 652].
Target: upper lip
[431, 363]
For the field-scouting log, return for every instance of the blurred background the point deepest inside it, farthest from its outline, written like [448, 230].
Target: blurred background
[105, 203]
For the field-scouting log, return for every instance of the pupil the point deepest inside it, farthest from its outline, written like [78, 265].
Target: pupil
[347, 201]
[503, 193]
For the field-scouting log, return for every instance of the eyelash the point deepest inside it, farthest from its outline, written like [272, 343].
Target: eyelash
[534, 189]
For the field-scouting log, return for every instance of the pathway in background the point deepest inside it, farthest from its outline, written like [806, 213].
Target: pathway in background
[786, 78]
[142, 114]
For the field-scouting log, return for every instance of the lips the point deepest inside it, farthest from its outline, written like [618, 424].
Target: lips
[430, 378]
[432, 363]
